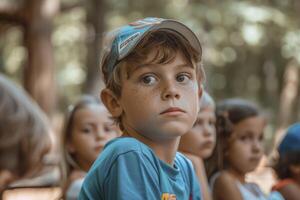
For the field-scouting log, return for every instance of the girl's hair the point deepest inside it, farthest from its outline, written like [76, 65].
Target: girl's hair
[68, 162]
[23, 127]
[229, 113]
[282, 166]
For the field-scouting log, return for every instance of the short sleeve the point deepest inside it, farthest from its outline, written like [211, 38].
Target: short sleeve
[132, 176]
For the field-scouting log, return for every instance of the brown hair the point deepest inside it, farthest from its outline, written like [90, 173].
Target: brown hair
[24, 127]
[284, 162]
[166, 43]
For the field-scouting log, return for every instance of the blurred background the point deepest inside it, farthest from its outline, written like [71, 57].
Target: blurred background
[251, 48]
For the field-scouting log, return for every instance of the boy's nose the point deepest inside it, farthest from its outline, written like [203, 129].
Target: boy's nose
[170, 95]
[170, 92]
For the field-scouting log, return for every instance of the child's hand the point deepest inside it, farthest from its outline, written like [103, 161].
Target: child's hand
[76, 174]
[6, 177]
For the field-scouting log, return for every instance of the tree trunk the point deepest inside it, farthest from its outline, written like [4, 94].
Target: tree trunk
[288, 98]
[95, 23]
[39, 70]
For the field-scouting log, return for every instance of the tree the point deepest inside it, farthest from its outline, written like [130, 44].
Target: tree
[95, 27]
[35, 18]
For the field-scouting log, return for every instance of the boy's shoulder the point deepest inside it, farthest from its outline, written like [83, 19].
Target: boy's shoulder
[129, 149]
[120, 151]
[121, 148]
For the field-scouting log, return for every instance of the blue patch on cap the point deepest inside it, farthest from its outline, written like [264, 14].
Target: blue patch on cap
[127, 38]
[291, 141]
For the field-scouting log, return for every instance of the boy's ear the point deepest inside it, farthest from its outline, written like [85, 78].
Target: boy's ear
[200, 93]
[111, 102]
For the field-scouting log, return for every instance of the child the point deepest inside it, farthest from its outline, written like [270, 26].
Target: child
[288, 165]
[239, 149]
[25, 140]
[88, 128]
[199, 142]
[152, 75]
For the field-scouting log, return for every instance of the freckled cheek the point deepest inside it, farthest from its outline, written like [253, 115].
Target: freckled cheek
[140, 102]
[192, 100]
[192, 89]
[145, 97]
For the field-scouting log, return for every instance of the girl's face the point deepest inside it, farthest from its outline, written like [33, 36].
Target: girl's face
[201, 139]
[245, 146]
[92, 128]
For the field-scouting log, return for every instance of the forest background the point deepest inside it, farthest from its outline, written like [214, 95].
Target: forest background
[251, 49]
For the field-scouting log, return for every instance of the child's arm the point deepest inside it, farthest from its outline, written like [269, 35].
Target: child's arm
[201, 174]
[225, 187]
[75, 175]
[73, 185]
[290, 192]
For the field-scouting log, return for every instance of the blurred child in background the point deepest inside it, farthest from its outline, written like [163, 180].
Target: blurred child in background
[25, 140]
[88, 128]
[288, 165]
[199, 142]
[239, 148]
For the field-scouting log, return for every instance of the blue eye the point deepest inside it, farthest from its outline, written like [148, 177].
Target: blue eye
[149, 80]
[183, 78]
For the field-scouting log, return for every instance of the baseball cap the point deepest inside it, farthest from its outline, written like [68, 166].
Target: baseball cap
[291, 141]
[123, 40]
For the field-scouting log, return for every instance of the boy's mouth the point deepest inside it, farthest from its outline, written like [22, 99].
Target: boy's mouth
[172, 110]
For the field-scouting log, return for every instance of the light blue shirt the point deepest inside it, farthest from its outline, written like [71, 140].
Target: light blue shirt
[275, 195]
[129, 169]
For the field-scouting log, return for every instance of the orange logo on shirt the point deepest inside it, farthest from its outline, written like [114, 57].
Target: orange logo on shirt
[167, 196]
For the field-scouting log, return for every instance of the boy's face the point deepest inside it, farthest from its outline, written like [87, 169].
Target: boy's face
[160, 101]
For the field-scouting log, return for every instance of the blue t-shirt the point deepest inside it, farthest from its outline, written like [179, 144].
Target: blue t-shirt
[129, 169]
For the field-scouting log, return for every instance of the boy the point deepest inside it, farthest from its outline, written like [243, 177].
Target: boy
[152, 74]
[287, 167]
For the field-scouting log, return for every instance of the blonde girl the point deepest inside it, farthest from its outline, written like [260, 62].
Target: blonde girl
[199, 142]
[88, 127]
[25, 138]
